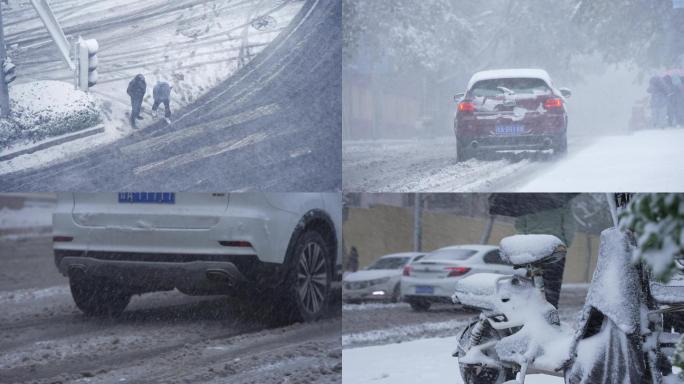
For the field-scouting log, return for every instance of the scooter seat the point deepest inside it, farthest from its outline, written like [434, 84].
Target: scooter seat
[520, 250]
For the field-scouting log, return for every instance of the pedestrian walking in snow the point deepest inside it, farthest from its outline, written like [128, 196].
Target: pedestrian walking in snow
[672, 96]
[658, 101]
[162, 95]
[678, 88]
[136, 90]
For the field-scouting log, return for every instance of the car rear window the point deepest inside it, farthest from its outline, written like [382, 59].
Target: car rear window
[450, 254]
[489, 88]
[389, 263]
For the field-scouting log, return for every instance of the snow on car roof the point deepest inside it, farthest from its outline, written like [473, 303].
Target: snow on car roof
[474, 247]
[402, 254]
[510, 73]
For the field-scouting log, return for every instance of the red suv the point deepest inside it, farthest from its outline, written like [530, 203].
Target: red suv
[511, 109]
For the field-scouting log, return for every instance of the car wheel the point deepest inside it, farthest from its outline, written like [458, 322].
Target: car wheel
[308, 280]
[462, 152]
[561, 146]
[96, 297]
[396, 294]
[419, 305]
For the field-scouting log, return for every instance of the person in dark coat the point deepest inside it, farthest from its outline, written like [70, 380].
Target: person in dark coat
[678, 102]
[672, 99]
[136, 90]
[162, 95]
[558, 222]
[353, 261]
[658, 101]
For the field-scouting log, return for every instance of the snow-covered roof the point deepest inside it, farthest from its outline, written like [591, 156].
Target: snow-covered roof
[526, 73]
[402, 254]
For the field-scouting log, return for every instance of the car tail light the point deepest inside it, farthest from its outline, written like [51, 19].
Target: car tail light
[457, 271]
[407, 271]
[244, 244]
[553, 103]
[62, 239]
[466, 106]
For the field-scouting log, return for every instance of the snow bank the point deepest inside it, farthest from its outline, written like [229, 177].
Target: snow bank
[526, 249]
[47, 108]
[420, 361]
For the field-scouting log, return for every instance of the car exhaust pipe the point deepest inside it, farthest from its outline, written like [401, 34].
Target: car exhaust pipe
[220, 275]
[474, 144]
[548, 142]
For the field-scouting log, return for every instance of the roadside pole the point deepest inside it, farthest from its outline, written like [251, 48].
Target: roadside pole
[418, 223]
[4, 87]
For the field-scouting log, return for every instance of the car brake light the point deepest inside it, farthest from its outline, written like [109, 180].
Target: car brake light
[457, 271]
[60, 239]
[553, 103]
[407, 271]
[244, 244]
[466, 106]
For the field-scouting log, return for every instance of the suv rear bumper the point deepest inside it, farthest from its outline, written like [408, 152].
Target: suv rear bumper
[205, 274]
[529, 142]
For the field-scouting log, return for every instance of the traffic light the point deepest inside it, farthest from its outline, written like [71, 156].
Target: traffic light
[87, 62]
[8, 70]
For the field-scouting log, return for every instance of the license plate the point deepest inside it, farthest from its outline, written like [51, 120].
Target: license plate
[509, 129]
[425, 290]
[147, 197]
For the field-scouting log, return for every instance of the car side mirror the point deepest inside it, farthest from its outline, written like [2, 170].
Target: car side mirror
[459, 96]
[565, 92]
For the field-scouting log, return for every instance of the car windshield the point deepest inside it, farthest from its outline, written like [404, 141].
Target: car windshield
[450, 254]
[389, 263]
[489, 88]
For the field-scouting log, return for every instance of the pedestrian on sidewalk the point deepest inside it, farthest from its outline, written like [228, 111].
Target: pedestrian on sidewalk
[658, 101]
[162, 95]
[136, 90]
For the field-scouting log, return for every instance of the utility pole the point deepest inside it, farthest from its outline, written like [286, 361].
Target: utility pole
[417, 223]
[4, 87]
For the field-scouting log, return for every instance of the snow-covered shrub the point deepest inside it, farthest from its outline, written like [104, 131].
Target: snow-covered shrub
[47, 108]
[657, 220]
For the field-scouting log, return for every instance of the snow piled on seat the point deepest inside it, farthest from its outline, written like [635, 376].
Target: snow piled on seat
[526, 249]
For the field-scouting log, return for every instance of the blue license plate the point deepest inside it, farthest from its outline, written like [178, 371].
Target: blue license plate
[424, 290]
[509, 129]
[147, 197]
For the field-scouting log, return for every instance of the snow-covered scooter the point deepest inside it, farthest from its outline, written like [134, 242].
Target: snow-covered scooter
[615, 341]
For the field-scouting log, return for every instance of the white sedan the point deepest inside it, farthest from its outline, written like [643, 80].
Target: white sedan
[378, 281]
[433, 278]
[284, 246]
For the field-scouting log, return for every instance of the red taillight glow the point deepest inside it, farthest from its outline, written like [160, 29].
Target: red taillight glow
[61, 239]
[466, 106]
[244, 244]
[457, 271]
[407, 271]
[553, 103]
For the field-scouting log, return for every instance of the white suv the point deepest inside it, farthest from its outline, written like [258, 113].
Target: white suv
[285, 246]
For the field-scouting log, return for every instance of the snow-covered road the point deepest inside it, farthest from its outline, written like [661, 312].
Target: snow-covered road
[645, 161]
[163, 337]
[274, 125]
[641, 161]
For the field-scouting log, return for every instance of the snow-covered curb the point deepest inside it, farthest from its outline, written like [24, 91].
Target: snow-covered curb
[45, 109]
[403, 333]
